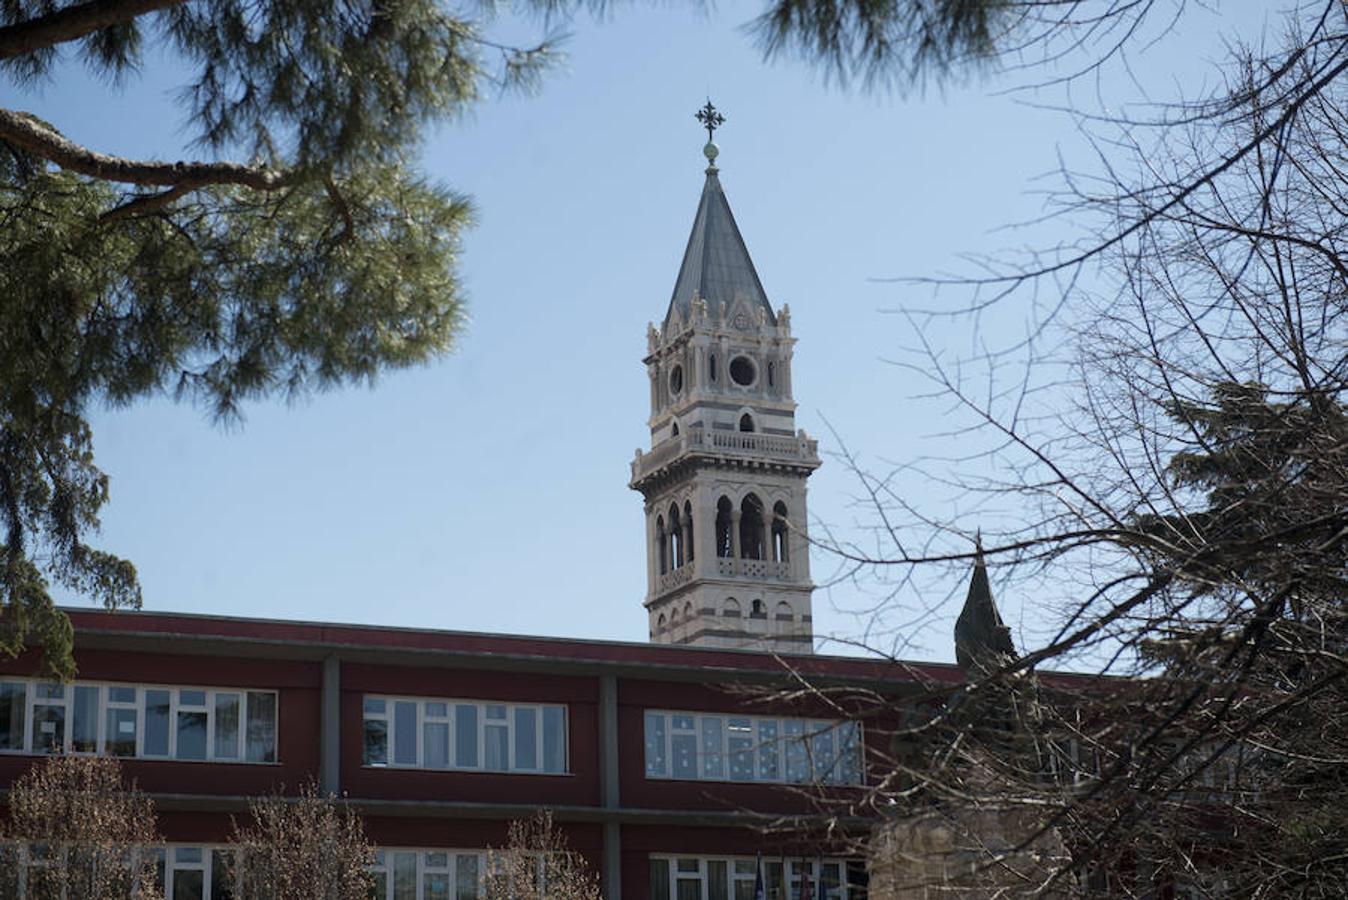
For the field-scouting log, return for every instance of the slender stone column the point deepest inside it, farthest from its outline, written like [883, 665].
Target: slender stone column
[611, 871]
[330, 728]
[735, 533]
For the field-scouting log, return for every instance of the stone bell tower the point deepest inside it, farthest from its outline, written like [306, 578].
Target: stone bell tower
[724, 481]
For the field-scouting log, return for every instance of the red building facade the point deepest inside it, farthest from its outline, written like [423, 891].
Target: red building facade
[662, 763]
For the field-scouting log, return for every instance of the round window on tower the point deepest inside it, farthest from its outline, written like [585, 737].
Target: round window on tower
[676, 380]
[742, 371]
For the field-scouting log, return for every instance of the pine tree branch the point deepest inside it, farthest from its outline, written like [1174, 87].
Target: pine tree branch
[29, 133]
[73, 23]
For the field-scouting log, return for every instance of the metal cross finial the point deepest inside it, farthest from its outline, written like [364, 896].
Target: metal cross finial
[710, 119]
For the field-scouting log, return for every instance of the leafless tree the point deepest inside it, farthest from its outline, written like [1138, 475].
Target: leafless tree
[308, 847]
[1166, 474]
[537, 863]
[77, 830]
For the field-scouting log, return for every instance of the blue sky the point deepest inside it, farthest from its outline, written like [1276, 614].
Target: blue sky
[487, 491]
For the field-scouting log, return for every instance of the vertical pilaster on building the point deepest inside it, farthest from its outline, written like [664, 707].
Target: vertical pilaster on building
[610, 875]
[724, 479]
[330, 728]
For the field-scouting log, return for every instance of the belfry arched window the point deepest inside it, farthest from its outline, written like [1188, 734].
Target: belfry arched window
[711, 367]
[780, 542]
[661, 544]
[753, 538]
[746, 422]
[688, 529]
[675, 538]
[724, 518]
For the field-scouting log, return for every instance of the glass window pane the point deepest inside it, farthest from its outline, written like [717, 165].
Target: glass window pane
[404, 875]
[687, 889]
[121, 737]
[227, 726]
[437, 710]
[526, 738]
[496, 748]
[496, 712]
[659, 879]
[435, 886]
[156, 723]
[797, 760]
[767, 750]
[437, 745]
[121, 695]
[376, 742]
[718, 881]
[740, 744]
[681, 723]
[655, 746]
[222, 876]
[849, 753]
[405, 733]
[683, 755]
[49, 729]
[50, 691]
[191, 735]
[825, 760]
[261, 726]
[187, 855]
[84, 722]
[465, 877]
[188, 884]
[465, 735]
[374, 706]
[554, 738]
[435, 860]
[13, 710]
[712, 735]
[192, 698]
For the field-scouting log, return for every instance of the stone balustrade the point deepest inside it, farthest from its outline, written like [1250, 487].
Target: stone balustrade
[710, 442]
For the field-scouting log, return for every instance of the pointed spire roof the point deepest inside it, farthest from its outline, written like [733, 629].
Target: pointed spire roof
[716, 264]
[981, 638]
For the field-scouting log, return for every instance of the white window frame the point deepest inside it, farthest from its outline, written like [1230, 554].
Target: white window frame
[839, 891]
[450, 720]
[169, 855]
[809, 729]
[383, 869]
[105, 703]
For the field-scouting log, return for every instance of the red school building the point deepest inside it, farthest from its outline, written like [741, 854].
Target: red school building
[661, 771]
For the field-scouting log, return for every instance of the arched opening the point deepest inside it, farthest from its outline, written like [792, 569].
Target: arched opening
[746, 422]
[772, 374]
[675, 538]
[752, 536]
[660, 624]
[711, 367]
[724, 546]
[784, 612]
[661, 545]
[731, 608]
[674, 430]
[687, 614]
[780, 544]
[757, 611]
[688, 529]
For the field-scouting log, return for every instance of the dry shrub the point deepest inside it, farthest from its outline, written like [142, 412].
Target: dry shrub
[538, 863]
[81, 829]
[310, 847]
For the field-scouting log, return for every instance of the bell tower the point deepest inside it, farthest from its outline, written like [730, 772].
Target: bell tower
[724, 481]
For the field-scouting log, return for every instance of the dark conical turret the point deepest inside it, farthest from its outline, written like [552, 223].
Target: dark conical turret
[982, 640]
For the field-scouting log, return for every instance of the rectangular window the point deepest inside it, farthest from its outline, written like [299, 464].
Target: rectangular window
[226, 726]
[457, 734]
[132, 721]
[13, 714]
[156, 723]
[734, 878]
[425, 875]
[261, 726]
[752, 748]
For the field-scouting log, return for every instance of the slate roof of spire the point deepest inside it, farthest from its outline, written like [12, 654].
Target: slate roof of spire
[716, 264]
[981, 638]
